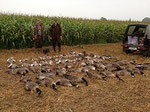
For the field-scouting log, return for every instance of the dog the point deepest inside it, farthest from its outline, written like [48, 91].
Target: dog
[46, 50]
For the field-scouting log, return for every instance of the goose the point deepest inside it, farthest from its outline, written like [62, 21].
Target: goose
[46, 69]
[109, 74]
[65, 82]
[135, 71]
[85, 53]
[121, 71]
[69, 66]
[92, 55]
[25, 64]
[91, 68]
[12, 71]
[48, 82]
[22, 71]
[79, 70]
[61, 72]
[55, 68]
[23, 60]
[99, 66]
[42, 58]
[35, 69]
[90, 62]
[32, 86]
[43, 63]
[84, 69]
[76, 79]
[124, 72]
[118, 68]
[11, 60]
[58, 62]
[145, 66]
[25, 78]
[34, 59]
[83, 64]
[48, 57]
[92, 75]
[13, 66]
[107, 57]
[50, 62]
[44, 75]
[124, 62]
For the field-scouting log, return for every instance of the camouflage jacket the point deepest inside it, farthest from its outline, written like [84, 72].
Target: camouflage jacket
[39, 31]
[55, 31]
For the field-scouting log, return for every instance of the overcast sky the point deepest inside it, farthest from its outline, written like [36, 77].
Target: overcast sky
[95, 9]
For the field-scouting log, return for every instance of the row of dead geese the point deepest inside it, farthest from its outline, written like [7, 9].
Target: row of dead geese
[94, 66]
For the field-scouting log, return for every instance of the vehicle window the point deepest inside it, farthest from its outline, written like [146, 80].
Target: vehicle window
[142, 30]
[131, 30]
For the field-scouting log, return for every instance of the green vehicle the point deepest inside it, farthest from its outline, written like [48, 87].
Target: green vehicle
[137, 39]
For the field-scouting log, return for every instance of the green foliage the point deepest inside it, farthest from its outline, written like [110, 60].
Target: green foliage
[16, 31]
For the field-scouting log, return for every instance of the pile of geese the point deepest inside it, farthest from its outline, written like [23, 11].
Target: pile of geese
[47, 68]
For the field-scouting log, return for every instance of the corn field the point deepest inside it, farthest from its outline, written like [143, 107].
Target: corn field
[16, 30]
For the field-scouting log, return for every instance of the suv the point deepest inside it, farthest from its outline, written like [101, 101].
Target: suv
[137, 39]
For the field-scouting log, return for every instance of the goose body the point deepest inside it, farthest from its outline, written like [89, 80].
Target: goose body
[65, 82]
[32, 86]
[48, 82]
[13, 66]
[76, 79]
[92, 75]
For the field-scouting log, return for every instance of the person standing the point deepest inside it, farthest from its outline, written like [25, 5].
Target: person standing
[56, 35]
[38, 34]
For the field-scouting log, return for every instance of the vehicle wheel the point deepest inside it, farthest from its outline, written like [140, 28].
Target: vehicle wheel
[124, 50]
[146, 53]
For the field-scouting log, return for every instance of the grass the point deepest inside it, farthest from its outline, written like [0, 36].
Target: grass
[99, 96]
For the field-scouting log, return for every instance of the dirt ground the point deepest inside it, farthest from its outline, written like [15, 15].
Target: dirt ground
[99, 96]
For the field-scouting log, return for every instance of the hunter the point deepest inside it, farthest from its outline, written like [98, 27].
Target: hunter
[56, 35]
[38, 34]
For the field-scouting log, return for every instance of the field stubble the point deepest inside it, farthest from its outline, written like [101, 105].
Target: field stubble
[99, 96]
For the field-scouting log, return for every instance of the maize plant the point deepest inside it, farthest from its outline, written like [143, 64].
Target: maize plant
[16, 30]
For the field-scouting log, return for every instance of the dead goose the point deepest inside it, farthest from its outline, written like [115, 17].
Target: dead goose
[125, 62]
[25, 65]
[22, 71]
[12, 71]
[25, 78]
[43, 63]
[91, 68]
[41, 75]
[121, 71]
[65, 82]
[76, 79]
[13, 66]
[48, 82]
[11, 60]
[92, 75]
[61, 72]
[34, 59]
[69, 66]
[109, 74]
[145, 66]
[99, 66]
[32, 86]
[35, 69]
[135, 71]
[23, 60]
[124, 72]
[46, 69]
